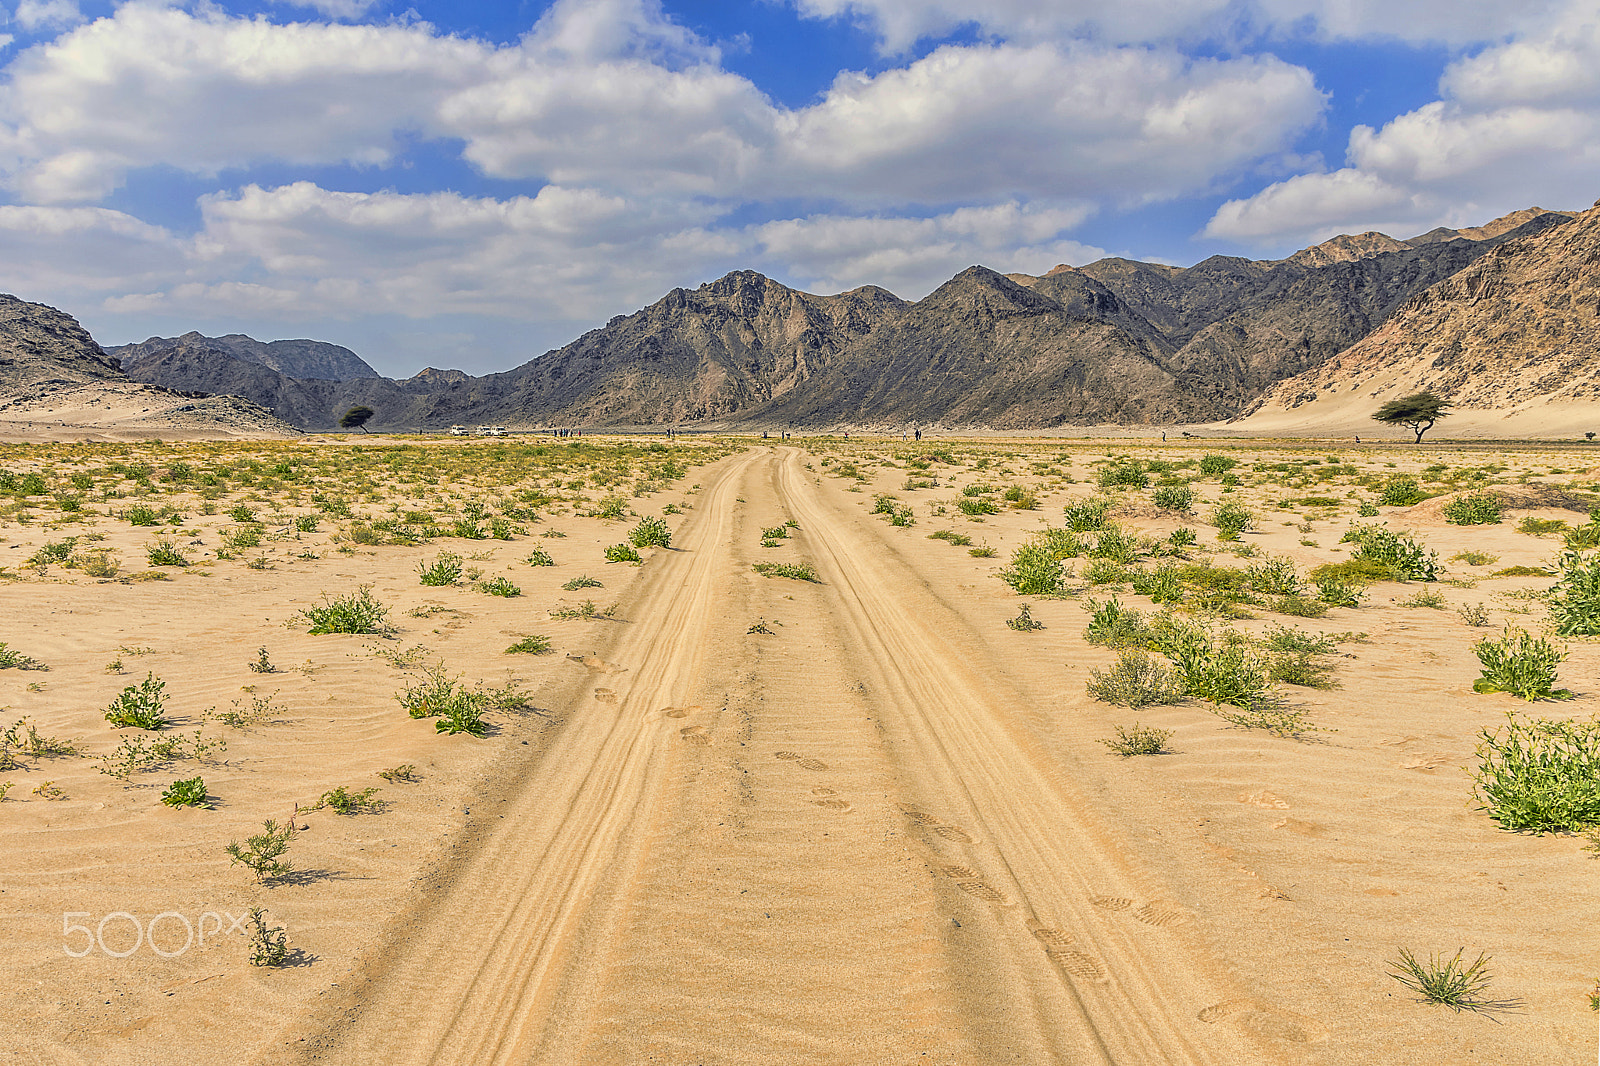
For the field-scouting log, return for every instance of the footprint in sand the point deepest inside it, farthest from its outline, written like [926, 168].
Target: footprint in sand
[983, 890]
[952, 833]
[1076, 963]
[694, 734]
[833, 804]
[678, 712]
[605, 695]
[813, 764]
[1059, 939]
[1111, 903]
[1267, 1021]
[790, 755]
[1161, 913]
[960, 873]
[819, 791]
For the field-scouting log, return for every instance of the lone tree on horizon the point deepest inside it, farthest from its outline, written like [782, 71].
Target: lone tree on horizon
[1419, 412]
[356, 418]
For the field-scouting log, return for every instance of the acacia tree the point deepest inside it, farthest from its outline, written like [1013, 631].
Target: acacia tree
[1419, 412]
[356, 418]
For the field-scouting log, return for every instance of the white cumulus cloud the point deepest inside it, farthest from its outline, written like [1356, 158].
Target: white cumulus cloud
[1517, 124]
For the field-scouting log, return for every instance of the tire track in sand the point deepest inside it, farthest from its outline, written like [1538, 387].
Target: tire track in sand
[1129, 994]
[484, 975]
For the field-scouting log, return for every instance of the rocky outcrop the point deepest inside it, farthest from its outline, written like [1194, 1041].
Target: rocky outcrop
[315, 360]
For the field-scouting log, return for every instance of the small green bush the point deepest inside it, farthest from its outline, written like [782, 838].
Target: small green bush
[1521, 664]
[1035, 570]
[459, 709]
[1136, 680]
[165, 553]
[11, 659]
[582, 581]
[498, 586]
[540, 557]
[139, 706]
[263, 852]
[1216, 465]
[1231, 519]
[1475, 509]
[1540, 776]
[186, 793]
[1139, 740]
[1401, 490]
[1024, 622]
[141, 514]
[972, 506]
[793, 571]
[1534, 525]
[1474, 558]
[534, 645]
[622, 553]
[1173, 498]
[1113, 625]
[344, 801]
[1406, 558]
[1300, 606]
[1085, 515]
[1275, 577]
[1575, 598]
[651, 532]
[1450, 982]
[269, 945]
[444, 570]
[1122, 472]
[354, 612]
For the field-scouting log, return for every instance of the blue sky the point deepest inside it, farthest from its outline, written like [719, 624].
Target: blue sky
[470, 184]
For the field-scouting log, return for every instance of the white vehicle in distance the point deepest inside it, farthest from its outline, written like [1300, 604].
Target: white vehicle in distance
[491, 431]
[458, 431]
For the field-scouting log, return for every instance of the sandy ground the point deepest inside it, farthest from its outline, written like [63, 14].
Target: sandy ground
[883, 832]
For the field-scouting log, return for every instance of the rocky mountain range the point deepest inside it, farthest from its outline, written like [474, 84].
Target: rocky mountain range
[1115, 341]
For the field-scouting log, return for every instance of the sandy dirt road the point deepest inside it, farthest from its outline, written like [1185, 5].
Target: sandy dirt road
[834, 842]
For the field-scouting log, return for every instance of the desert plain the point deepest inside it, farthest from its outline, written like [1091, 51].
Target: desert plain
[788, 788]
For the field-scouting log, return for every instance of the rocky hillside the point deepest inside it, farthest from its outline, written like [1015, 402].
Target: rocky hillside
[317, 360]
[56, 381]
[1517, 329]
[1115, 341]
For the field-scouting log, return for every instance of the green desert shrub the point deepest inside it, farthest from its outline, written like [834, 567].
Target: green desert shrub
[1036, 569]
[1521, 664]
[1401, 490]
[621, 553]
[1216, 465]
[1534, 525]
[1025, 622]
[1139, 740]
[140, 706]
[1406, 558]
[165, 553]
[1173, 497]
[1540, 776]
[539, 557]
[498, 586]
[1275, 577]
[1449, 982]
[651, 532]
[459, 709]
[262, 853]
[1474, 509]
[190, 792]
[1137, 679]
[1085, 515]
[1122, 472]
[1575, 598]
[793, 571]
[444, 570]
[1113, 625]
[342, 800]
[353, 612]
[1231, 518]
[533, 645]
